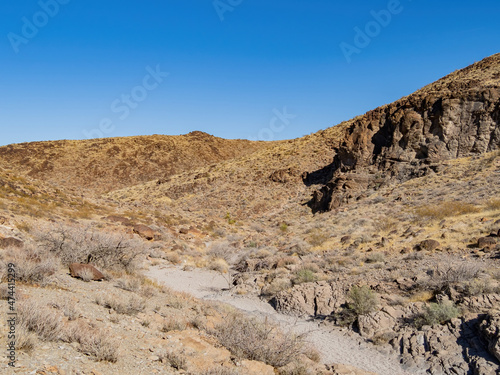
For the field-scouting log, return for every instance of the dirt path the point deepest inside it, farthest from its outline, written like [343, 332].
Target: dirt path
[333, 344]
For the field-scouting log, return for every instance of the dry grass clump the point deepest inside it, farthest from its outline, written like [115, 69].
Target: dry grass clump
[249, 338]
[445, 209]
[123, 305]
[219, 265]
[25, 340]
[74, 244]
[175, 360]
[493, 204]
[41, 320]
[33, 265]
[173, 325]
[99, 345]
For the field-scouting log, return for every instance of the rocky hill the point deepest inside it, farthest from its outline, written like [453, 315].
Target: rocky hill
[454, 117]
[392, 266]
[101, 165]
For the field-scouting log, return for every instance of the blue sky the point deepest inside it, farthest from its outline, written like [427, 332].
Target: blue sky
[256, 69]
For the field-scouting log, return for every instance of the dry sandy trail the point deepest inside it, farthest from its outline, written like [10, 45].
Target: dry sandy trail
[334, 346]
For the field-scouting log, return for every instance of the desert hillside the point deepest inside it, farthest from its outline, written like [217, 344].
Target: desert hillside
[371, 247]
[101, 165]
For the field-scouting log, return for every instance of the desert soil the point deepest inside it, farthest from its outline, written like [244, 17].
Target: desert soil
[334, 344]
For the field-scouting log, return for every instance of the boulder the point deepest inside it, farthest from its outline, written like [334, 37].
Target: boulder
[312, 299]
[81, 271]
[428, 245]
[10, 242]
[486, 242]
[144, 231]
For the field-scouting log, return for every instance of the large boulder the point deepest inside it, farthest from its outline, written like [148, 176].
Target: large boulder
[311, 299]
[85, 272]
[486, 242]
[428, 245]
[144, 231]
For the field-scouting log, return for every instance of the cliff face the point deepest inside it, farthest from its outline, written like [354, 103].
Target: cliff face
[454, 117]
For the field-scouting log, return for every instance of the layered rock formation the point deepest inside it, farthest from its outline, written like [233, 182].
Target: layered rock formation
[457, 116]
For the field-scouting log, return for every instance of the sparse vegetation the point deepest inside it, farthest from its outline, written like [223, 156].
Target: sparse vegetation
[304, 275]
[362, 300]
[249, 338]
[122, 305]
[80, 244]
[445, 209]
[437, 313]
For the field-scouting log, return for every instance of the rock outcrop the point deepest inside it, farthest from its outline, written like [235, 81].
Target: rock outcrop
[455, 117]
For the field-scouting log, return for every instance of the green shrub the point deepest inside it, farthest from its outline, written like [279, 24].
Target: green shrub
[304, 275]
[438, 313]
[362, 300]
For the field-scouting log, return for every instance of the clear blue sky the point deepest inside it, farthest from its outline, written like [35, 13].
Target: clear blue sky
[231, 67]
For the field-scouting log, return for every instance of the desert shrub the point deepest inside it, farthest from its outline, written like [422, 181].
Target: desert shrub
[385, 224]
[283, 227]
[41, 320]
[25, 340]
[83, 244]
[445, 209]
[173, 325]
[249, 338]
[219, 265]
[452, 275]
[99, 345]
[86, 275]
[222, 250]
[304, 275]
[362, 300]
[317, 239]
[437, 313]
[127, 306]
[173, 257]
[175, 360]
[33, 265]
[375, 258]
[130, 284]
[478, 287]
[68, 308]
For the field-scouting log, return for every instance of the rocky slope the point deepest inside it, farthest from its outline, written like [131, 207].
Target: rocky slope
[456, 116]
[101, 165]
